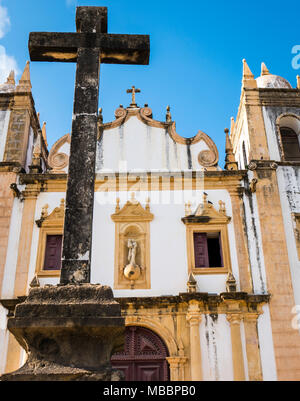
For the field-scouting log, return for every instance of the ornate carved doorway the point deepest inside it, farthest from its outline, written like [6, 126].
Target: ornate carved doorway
[144, 356]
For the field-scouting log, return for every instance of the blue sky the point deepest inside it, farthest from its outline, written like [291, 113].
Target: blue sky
[196, 57]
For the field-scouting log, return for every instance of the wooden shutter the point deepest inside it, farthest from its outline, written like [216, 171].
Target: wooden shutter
[201, 250]
[221, 252]
[53, 252]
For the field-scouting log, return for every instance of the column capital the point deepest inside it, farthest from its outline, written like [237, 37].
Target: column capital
[234, 318]
[252, 316]
[175, 361]
[32, 191]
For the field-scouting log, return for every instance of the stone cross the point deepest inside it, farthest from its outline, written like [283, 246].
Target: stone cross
[133, 90]
[88, 47]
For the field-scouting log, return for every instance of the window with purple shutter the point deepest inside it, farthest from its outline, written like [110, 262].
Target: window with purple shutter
[201, 250]
[53, 252]
[208, 250]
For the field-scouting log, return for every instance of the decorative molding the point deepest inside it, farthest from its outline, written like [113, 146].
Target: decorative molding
[262, 165]
[132, 245]
[208, 220]
[206, 158]
[58, 161]
[49, 224]
[206, 213]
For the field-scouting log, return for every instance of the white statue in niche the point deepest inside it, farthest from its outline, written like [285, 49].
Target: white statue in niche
[132, 271]
[132, 246]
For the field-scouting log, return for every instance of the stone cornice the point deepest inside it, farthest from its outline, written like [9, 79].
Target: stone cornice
[276, 97]
[228, 180]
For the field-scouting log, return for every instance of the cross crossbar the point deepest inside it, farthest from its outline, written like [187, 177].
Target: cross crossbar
[113, 48]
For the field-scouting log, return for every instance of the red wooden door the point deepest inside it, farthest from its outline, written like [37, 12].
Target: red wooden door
[144, 356]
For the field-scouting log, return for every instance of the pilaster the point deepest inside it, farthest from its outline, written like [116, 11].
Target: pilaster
[241, 242]
[30, 196]
[194, 319]
[237, 350]
[252, 347]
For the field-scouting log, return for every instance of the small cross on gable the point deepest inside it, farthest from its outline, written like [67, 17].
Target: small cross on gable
[133, 91]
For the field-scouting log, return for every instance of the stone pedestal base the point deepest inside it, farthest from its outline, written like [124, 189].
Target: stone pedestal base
[69, 333]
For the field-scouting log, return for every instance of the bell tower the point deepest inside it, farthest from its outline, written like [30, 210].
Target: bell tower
[265, 139]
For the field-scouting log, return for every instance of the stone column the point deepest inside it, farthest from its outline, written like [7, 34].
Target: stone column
[252, 347]
[177, 367]
[237, 350]
[194, 319]
[173, 362]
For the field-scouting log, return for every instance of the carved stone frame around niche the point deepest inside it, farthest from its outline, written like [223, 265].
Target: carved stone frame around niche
[132, 222]
[49, 224]
[208, 220]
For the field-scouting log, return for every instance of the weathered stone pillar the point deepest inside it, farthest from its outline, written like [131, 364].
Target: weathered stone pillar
[237, 350]
[252, 347]
[77, 240]
[194, 319]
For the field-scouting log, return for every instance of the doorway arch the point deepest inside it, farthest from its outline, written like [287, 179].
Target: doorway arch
[144, 356]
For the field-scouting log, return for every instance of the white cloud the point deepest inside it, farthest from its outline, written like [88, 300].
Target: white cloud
[7, 63]
[4, 21]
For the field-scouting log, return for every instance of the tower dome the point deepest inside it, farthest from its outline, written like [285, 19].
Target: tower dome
[272, 81]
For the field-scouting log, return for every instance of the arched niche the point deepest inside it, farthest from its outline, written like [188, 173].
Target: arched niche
[288, 131]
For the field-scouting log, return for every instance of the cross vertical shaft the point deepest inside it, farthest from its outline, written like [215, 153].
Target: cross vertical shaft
[77, 244]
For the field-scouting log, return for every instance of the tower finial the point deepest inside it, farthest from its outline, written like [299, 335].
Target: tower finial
[44, 133]
[25, 83]
[230, 163]
[232, 125]
[264, 70]
[248, 77]
[11, 78]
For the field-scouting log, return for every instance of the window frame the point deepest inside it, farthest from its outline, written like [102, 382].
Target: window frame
[208, 228]
[52, 224]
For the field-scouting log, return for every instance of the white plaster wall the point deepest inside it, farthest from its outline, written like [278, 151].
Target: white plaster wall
[12, 251]
[29, 150]
[168, 252]
[140, 147]
[216, 350]
[271, 136]
[289, 191]
[3, 338]
[266, 345]
[169, 272]
[4, 121]
[257, 263]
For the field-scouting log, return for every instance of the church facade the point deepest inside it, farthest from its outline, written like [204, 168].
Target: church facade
[203, 260]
